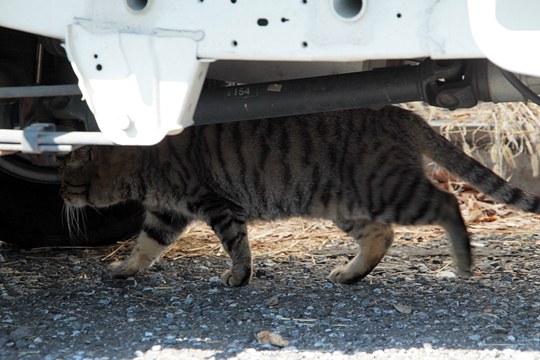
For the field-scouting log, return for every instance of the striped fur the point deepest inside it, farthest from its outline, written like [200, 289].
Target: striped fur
[360, 168]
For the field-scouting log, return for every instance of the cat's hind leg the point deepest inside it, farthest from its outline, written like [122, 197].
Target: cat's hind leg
[159, 231]
[443, 210]
[232, 231]
[373, 238]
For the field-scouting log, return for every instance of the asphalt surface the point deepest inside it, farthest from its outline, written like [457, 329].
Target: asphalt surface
[62, 304]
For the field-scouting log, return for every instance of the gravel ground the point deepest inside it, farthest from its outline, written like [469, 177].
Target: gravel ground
[62, 304]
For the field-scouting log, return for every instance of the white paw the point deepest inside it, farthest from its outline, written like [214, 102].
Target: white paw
[231, 279]
[123, 269]
[338, 275]
[343, 275]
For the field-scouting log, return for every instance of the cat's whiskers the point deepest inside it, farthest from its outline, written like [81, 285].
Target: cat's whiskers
[75, 221]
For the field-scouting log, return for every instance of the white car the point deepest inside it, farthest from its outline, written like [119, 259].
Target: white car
[147, 69]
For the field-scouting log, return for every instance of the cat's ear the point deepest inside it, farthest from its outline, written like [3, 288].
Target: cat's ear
[91, 153]
[86, 153]
[81, 154]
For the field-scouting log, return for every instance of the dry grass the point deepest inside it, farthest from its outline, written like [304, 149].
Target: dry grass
[314, 240]
[506, 129]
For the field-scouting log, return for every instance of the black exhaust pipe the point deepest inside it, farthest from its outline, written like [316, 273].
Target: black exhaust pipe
[448, 83]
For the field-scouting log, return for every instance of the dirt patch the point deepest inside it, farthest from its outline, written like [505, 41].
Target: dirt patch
[61, 303]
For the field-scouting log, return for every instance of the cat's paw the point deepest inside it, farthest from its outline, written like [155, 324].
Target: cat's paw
[231, 279]
[122, 269]
[342, 275]
[462, 273]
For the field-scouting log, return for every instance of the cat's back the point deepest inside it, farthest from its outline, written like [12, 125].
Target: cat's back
[301, 135]
[283, 164]
[287, 146]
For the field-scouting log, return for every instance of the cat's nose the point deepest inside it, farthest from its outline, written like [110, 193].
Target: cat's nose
[62, 192]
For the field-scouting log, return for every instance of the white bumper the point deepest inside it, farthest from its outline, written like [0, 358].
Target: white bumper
[141, 63]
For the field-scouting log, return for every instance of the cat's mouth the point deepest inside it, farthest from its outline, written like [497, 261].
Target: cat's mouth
[75, 194]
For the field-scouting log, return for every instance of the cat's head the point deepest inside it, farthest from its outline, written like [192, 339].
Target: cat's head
[97, 176]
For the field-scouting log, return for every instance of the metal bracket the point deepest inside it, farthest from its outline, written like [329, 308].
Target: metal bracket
[140, 86]
[42, 138]
[30, 137]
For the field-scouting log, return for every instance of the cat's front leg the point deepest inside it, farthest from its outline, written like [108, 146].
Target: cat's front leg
[232, 232]
[160, 230]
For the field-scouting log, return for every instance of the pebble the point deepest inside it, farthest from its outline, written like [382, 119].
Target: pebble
[21, 332]
[447, 275]
[497, 329]
[188, 300]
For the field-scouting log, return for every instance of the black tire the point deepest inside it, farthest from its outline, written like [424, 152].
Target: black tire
[31, 216]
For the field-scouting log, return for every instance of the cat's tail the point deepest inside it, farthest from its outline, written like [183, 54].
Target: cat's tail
[446, 154]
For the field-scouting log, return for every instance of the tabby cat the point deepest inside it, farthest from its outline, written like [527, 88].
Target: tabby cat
[363, 169]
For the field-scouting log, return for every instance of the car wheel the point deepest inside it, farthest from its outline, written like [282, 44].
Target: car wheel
[31, 215]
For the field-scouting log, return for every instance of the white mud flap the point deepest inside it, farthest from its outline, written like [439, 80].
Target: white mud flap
[140, 86]
[508, 33]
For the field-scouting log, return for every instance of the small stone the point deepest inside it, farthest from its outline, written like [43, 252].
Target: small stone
[188, 300]
[155, 276]
[446, 275]
[260, 273]
[404, 309]
[273, 301]
[497, 329]
[475, 337]
[477, 244]
[21, 332]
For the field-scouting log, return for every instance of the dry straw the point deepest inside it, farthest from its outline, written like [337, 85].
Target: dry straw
[501, 131]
